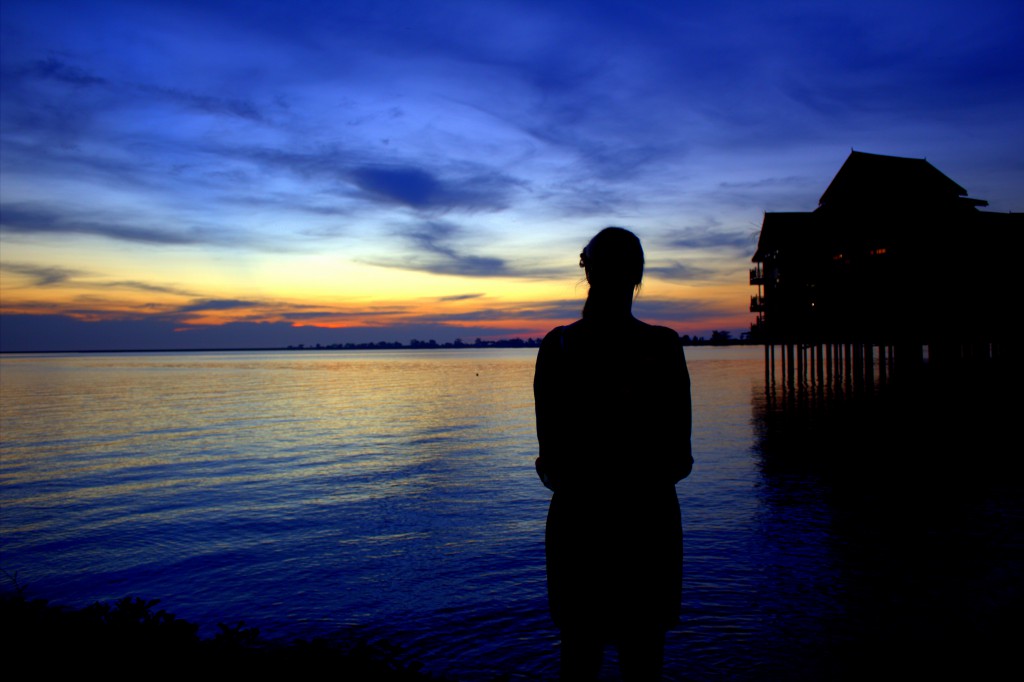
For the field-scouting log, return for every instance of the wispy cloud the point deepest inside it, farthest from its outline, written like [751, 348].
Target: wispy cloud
[33, 220]
[797, 192]
[146, 286]
[54, 69]
[361, 174]
[206, 103]
[460, 297]
[680, 272]
[710, 237]
[678, 312]
[218, 304]
[436, 251]
[27, 219]
[432, 246]
[446, 248]
[42, 275]
[664, 311]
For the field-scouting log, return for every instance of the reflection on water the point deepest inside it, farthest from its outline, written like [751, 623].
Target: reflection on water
[924, 513]
[393, 493]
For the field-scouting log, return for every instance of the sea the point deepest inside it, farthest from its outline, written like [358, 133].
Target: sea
[390, 496]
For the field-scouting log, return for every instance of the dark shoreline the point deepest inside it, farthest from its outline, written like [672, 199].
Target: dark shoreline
[106, 634]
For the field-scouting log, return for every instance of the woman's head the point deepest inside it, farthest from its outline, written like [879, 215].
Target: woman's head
[613, 259]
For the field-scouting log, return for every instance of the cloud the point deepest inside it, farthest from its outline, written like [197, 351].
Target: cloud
[357, 173]
[27, 333]
[711, 237]
[326, 315]
[43, 275]
[773, 193]
[289, 202]
[30, 219]
[326, 161]
[682, 272]
[584, 197]
[225, 106]
[663, 311]
[423, 190]
[676, 311]
[435, 239]
[26, 219]
[215, 304]
[443, 247]
[459, 297]
[409, 186]
[549, 310]
[46, 275]
[438, 247]
[433, 249]
[48, 101]
[54, 69]
[146, 286]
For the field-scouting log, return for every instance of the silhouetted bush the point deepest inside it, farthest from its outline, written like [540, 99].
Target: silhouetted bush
[132, 638]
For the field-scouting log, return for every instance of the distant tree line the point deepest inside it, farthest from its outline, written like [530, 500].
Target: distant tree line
[419, 344]
[718, 338]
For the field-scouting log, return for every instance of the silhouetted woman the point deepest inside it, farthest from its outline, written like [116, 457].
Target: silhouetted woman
[613, 420]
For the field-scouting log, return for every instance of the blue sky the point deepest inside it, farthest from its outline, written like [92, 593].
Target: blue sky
[178, 174]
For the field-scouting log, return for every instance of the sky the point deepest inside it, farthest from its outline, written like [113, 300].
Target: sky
[258, 174]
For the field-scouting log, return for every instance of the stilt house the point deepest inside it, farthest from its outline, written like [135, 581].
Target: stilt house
[896, 254]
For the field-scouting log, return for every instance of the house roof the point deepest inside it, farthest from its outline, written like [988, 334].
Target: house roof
[780, 230]
[891, 180]
[874, 184]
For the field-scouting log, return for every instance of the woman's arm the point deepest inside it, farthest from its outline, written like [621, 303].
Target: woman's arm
[675, 414]
[546, 405]
[684, 410]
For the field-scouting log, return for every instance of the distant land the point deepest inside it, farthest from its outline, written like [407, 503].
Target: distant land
[717, 338]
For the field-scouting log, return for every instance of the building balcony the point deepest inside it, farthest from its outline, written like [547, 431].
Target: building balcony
[756, 276]
[757, 304]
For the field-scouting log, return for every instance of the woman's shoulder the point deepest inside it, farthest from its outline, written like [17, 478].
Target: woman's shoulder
[555, 339]
[558, 335]
[581, 334]
[657, 332]
[553, 335]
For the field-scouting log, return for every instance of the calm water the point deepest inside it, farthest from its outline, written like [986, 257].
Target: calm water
[392, 494]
